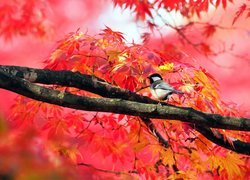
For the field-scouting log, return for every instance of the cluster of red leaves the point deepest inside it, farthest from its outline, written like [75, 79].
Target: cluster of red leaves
[145, 8]
[193, 34]
[23, 17]
[124, 140]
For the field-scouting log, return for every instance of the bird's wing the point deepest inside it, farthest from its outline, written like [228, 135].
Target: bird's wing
[164, 86]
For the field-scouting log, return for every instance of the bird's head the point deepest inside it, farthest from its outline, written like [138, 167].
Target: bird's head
[154, 77]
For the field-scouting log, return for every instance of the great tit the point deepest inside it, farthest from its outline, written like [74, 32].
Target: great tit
[160, 89]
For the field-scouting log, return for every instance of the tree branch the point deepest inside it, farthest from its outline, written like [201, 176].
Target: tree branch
[153, 129]
[74, 79]
[237, 145]
[133, 106]
[10, 78]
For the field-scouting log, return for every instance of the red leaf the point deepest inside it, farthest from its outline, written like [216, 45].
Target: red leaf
[239, 13]
[130, 83]
[205, 49]
[141, 8]
[151, 25]
[217, 3]
[224, 3]
[115, 34]
[145, 37]
[71, 49]
[209, 30]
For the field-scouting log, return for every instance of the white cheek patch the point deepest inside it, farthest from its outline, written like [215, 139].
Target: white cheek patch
[156, 78]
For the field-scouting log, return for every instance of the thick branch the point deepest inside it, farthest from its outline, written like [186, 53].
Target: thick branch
[9, 80]
[86, 82]
[120, 106]
[237, 145]
[74, 79]
[153, 129]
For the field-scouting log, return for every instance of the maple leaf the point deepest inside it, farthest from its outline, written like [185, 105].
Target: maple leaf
[141, 8]
[56, 127]
[69, 151]
[183, 175]
[205, 48]
[209, 90]
[140, 146]
[151, 25]
[24, 17]
[239, 13]
[203, 144]
[168, 67]
[167, 157]
[224, 3]
[232, 169]
[169, 4]
[145, 37]
[209, 30]
[113, 34]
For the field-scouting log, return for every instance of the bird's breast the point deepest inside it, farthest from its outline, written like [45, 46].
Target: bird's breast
[160, 94]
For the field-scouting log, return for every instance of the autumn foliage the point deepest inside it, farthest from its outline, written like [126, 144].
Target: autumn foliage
[45, 141]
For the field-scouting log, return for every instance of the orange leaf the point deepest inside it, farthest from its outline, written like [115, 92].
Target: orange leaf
[203, 144]
[167, 157]
[231, 164]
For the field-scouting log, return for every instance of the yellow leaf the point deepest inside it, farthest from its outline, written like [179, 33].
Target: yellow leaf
[169, 67]
[234, 167]
[103, 43]
[209, 90]
[231, 164]
[122, 57]
[112, 55]
[197, 161]
[183, 175]
[155, 149]
[70, 152]
[167, 157]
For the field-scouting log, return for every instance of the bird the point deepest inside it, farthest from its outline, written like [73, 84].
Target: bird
[160, 89]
